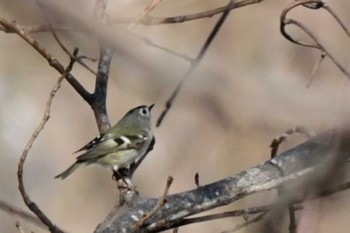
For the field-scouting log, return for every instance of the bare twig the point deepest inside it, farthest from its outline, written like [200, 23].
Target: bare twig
[246, 223]
[335, 16]
[100, 94]
[31, 205]
[19, 227]
[10, 209]
[283, 137]
[63, 47]
[152, 44]
[196, 179]
[53, 62]
[292, 219]
[145, 12]
[315, 69]
[160, 204]
[317, 43]
[39, 28]
[194, 64]
[149, 20]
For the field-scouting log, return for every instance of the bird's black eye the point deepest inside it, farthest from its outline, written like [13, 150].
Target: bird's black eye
[143, 111]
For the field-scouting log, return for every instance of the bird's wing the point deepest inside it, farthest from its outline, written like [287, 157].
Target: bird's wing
[112, 144]
[92, 143]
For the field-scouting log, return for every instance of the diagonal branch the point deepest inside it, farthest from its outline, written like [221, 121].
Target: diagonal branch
[302, 162]
[194, 63]
[9, 208]
[31, 205]
[53, 62]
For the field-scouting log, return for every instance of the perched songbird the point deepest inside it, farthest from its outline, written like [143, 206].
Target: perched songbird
[119, 146]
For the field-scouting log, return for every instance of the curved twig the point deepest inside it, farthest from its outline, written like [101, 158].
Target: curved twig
[31, 205]
[318, 45]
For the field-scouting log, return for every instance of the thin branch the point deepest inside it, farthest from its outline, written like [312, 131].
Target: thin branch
[292, 219]
[63, 47]
[31, 205]
[53, 62]
[196, 179]
[194, 64]
[283, 23]
[249, 222]
[100, 94]
[10, 209]
[315, 69]
[39, 28]
[145, 13]
[146, 21]
[19, 227]
[149, 20]
[160, 204]
[152, 44]
[335, 16]
[276, 142]
[318, 45]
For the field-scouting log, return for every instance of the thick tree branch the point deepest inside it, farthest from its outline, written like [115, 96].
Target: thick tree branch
[299, 162]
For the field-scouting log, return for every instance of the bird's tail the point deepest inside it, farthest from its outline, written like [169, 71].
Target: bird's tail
[68, 171]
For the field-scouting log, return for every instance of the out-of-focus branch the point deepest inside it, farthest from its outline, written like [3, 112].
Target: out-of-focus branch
[240, 226]
[63, 47]
[284, 21]
[194, 64]
[53, 62]
[258, 209]
[151, 20]
[31, 205]
[304, 162]
[100, 95]
[10, 209]
[146, 20]
[145, 13]
[39, 28]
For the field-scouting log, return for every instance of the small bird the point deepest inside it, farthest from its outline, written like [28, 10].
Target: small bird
[119, 146]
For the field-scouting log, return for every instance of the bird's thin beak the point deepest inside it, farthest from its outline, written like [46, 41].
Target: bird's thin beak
[150, 107]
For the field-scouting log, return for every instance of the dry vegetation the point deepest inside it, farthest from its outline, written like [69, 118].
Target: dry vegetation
[230, 76]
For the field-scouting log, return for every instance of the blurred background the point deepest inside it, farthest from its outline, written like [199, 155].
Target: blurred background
[250, 87]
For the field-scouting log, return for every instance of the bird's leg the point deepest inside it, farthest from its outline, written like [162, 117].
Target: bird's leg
[123, 174]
